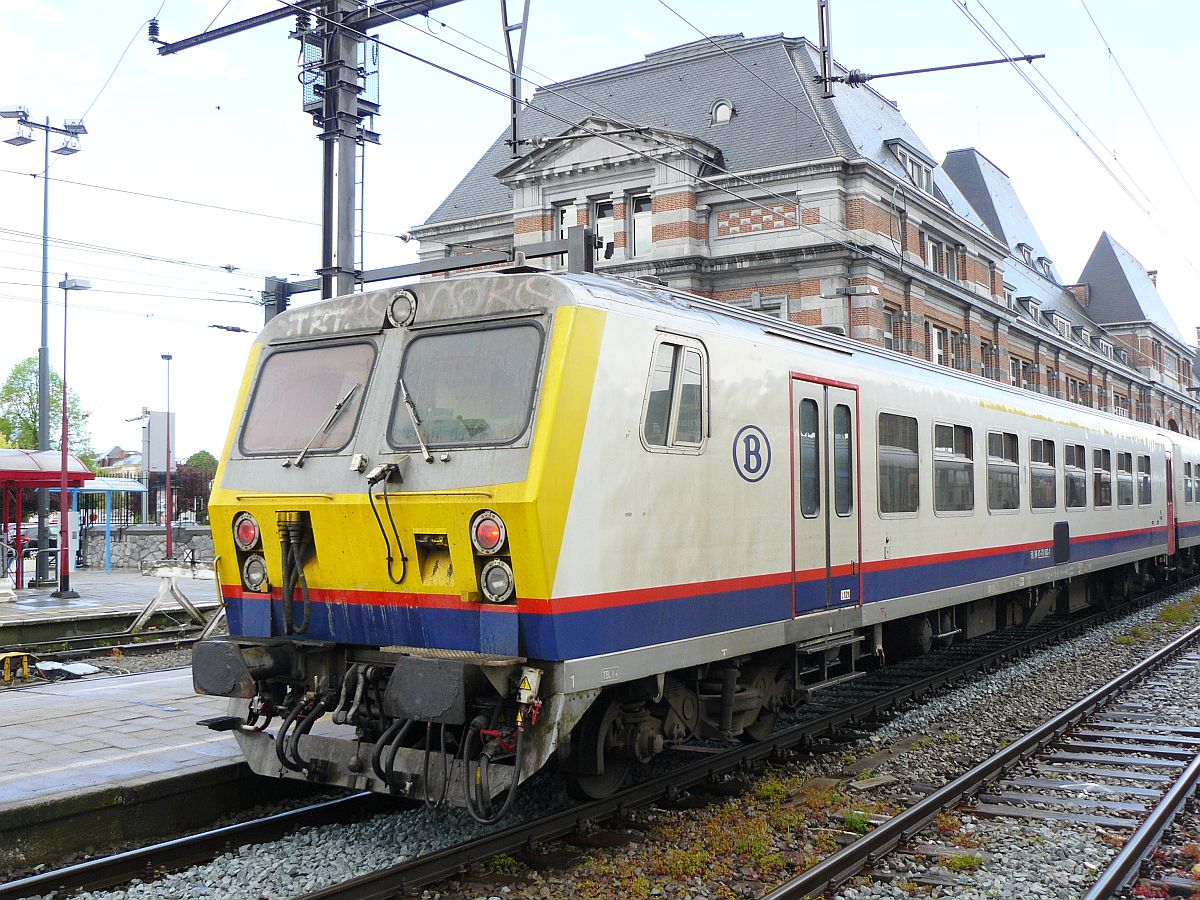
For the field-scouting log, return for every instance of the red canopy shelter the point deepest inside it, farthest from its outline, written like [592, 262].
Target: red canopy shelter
[29, 469]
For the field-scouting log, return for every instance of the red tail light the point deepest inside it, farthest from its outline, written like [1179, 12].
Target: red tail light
[487, 532]
[245, 531]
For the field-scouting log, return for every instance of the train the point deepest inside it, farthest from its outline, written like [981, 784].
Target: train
[475, 527]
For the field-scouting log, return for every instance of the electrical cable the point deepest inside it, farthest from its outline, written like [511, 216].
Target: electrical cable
[386, 540]
[97, 290]
[602, 135]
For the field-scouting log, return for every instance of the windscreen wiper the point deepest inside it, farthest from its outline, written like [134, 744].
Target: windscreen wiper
[298, 462]
[416, 422]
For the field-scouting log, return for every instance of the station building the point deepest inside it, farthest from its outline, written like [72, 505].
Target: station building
[719, 167]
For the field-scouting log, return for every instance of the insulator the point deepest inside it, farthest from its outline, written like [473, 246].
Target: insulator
[153, 30]
[303, 22]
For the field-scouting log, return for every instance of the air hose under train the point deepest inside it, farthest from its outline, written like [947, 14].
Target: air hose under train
[476, 788]
[292, 546]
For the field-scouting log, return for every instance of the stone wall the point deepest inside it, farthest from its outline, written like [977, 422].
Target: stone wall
[134, 545]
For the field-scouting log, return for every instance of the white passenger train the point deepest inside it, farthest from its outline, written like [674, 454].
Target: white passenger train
[490, 520]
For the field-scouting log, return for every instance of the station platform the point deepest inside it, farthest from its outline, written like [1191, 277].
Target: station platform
[107, 602]
[93, 763]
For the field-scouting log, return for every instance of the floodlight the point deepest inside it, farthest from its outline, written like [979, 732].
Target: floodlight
[14, 112]
[75, 126]
[69, 146]
[75, 284]
[21, 138]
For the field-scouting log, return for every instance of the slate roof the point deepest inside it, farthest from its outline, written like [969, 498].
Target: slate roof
[1121, 290]
[987, 188]
[674, 89]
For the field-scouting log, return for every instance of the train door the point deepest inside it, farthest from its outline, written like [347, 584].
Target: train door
[825, 496]
[1170, 505]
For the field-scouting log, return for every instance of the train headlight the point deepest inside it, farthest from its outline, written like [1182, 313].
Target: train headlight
[496, 581]
[245, 531]
[488, 532]
[254, 573]
[403, 309]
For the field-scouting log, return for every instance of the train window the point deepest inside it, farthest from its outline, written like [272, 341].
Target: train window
[466, 388]
[843, 453]
[1075, 470]
[1043, 477]
[810, 461]
[1143, 480]
[1187, 480]
[1124, 479]
[308, 397]
[673, 415]
[899, 473]
[1003, 471]
[1101, 478]
[953, 468]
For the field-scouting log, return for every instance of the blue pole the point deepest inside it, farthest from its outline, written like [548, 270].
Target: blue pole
[108, 531]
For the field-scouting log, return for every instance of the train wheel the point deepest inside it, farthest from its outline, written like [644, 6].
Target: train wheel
[595, 767]
[769, 686]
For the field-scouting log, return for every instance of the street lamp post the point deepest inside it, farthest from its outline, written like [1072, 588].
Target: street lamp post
[71, 130]
[64, 545]
[170, 544]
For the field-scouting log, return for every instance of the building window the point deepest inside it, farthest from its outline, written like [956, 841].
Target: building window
[952, 263]
[1043, 477]
[941, 347]
[1144, 496]
[1101, 478]
[639, 238]
[986, 361]
[1026, 253]
[1075, 471]
[953, 468]
[1014, 371]
[919, 172]
[1124, 479]
[899, 472]
[1009, 296]
[936, 256]
[1027, 376]
[720, 112]
[1003, 471]
[889, 328]
[674, 412]
[603, 222]
[1062, 326]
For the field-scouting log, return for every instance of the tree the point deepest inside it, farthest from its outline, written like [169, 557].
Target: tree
[204, 461]
[19, 412]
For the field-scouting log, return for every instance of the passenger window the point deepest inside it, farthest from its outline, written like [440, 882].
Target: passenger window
[1043, 477]
[899, 473]
[1101, 478]
[843, 455]
[1144, 480]
[1003, 471]
[674, 414]
[1187, 481]
[810, 460]
[1075, 472]
[1124, 479]
[953, 468]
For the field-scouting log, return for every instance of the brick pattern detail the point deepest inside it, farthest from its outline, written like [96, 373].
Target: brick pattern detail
[534, 224]
[672, 230]
[810, 215]
[668, 202]
[811, 317]
[810, 287]
[756, 218]
[863, 215]
[583, 215]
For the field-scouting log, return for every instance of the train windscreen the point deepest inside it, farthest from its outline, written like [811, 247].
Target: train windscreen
[307, 398]
[467, 387]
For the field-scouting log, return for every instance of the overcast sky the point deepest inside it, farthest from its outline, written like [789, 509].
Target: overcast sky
[222, 125]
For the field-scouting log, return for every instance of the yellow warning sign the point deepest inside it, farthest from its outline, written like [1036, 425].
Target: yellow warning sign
[524, 685]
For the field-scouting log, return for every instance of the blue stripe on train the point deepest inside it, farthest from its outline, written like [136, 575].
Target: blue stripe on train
[570, 635]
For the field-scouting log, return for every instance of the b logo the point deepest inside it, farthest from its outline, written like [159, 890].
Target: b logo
[751, 453]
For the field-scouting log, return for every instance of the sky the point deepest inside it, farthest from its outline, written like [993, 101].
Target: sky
[221, 126]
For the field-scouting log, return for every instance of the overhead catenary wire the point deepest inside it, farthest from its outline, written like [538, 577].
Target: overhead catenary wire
[1149, 118]
[107, 279]
[791, 201]
[109, 310]
[99, 290]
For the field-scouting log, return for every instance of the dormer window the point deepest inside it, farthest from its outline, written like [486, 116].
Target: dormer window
[720, 112]
[1085, 336]
[1031, 305]
[1026, 253]
[1105, 348]
[1044, 264]
[918, 168]
[1062, 326]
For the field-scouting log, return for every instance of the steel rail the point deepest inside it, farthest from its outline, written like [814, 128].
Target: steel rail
[120, 868]
[1127, 863]
[835, 869]
[418, 872]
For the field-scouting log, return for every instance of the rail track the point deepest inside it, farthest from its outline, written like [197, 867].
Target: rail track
[1094, 740]
[851, 705]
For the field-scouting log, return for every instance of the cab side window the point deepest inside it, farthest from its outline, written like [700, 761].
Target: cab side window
[675, 411]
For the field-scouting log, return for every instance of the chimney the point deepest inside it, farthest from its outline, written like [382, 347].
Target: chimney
[1153, 273]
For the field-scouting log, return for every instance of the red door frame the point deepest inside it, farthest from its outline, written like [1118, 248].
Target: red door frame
[845, 385]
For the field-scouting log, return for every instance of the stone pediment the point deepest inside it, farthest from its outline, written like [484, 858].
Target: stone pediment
[602, 143]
